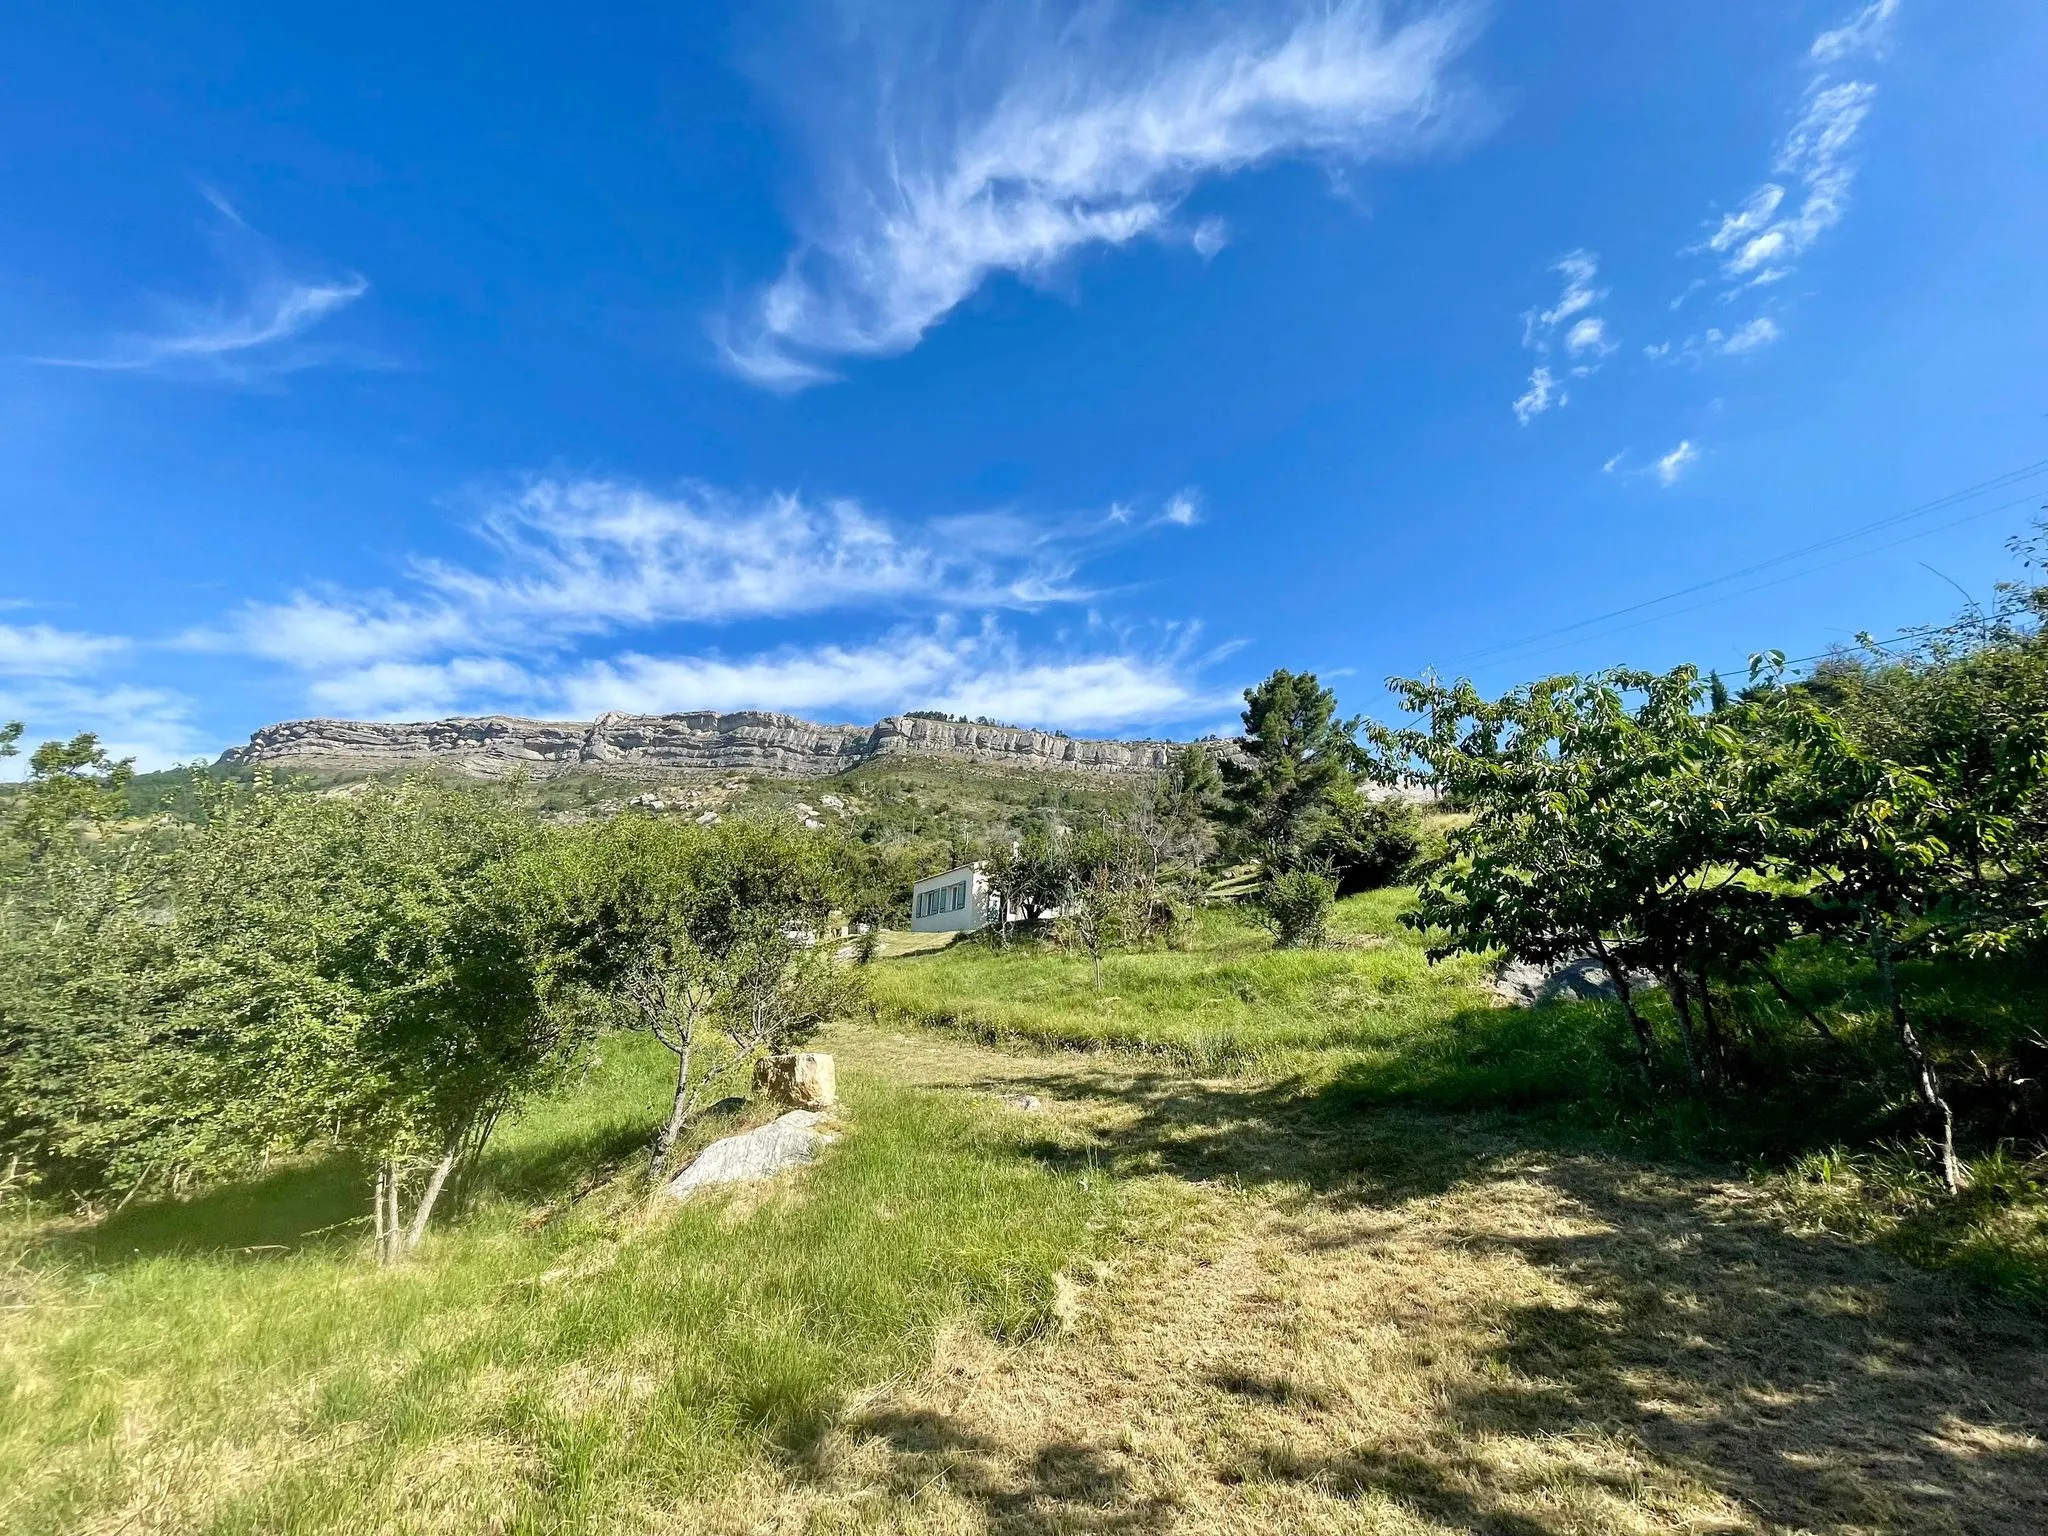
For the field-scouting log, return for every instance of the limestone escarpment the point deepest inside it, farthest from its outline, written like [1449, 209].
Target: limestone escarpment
[747, 741]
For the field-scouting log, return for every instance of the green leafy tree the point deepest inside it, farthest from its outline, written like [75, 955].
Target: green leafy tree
[74, 790]
[709, 933]
[1296, 904]
[1106, 901]
[1365, 843]
[1034, 877]
[299, 972]
[1296, 759]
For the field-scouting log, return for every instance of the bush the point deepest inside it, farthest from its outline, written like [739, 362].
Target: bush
[1368, 844]
[1296, 904]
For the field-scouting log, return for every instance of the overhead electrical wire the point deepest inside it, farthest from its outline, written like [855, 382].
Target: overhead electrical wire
[1520, 653]
[1941, 503]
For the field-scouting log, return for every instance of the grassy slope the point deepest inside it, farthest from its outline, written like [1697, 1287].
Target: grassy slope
[1372, 1007]
[1374, 1022]
[564, 1358]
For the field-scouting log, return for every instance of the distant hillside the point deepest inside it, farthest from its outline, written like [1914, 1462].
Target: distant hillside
[636, 746]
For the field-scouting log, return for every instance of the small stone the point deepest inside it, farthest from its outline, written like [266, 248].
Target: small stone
[807, 1079]
[1028, 1102]
[832, 802]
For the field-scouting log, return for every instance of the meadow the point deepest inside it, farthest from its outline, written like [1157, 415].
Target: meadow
[1317, 1240]
[568, 1355]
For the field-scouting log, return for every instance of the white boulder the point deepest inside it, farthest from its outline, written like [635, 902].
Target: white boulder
[789, 1142]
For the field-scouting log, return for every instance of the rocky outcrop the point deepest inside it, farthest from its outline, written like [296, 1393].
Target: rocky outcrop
[749, 741]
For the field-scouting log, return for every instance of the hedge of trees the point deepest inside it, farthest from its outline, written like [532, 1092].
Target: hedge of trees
[382, 972]
[1893, 806]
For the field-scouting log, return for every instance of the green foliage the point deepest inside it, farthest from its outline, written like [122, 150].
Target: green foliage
[359, 972]
[1365, 843]
[1295, 904]
[1897, 810]
[697, 928]
[1035, 876]
[1297, 758]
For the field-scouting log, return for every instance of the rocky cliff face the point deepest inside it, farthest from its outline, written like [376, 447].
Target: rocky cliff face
[493, 746]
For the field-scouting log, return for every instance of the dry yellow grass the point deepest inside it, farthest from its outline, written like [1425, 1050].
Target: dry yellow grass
[1409, 1324]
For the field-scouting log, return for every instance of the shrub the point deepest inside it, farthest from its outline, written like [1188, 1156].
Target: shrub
[1296, 904]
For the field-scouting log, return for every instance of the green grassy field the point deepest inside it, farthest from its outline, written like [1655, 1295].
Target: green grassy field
[1830, 1126]
[1225, 1002]
[565, 1356]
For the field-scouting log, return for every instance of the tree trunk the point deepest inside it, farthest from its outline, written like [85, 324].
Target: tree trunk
[432, 1193]
[1790, 1001]
[1717, 1047]
[380, 1206]
[1095, 958]
[1926, 1080]
[1681, 1004]
[1646, 1044]
[665, 1143]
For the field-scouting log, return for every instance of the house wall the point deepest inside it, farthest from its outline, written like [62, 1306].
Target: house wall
[966, 906]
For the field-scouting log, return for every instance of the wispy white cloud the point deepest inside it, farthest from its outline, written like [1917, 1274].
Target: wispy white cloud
[1579, 270]
[1763, 238]
[1675, 463]
[970, 671]
[1751, 336]
[1089, 132]
[38, 650]
[240, 336]
[1866, 33]
[576, 558]
[578, 613]
[52, 680]
[1566, 323]
[1588, 335]
[981, 671]
[1541, 395]
[1748, 337]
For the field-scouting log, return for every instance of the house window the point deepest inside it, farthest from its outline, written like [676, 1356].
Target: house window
[959, 896]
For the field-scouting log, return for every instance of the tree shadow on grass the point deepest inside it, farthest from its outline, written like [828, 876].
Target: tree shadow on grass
[1820, 1382]
[1064, 1487]
[322, 1204]
[1817, 1383]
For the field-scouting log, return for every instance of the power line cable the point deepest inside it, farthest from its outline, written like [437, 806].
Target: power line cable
[1953, 498]
[1761, 586]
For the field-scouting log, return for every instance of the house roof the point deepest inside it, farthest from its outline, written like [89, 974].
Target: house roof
[957, 869]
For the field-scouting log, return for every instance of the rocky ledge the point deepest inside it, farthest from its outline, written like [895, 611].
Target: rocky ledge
[495, 746]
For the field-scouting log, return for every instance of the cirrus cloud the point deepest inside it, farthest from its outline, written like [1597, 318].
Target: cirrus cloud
[1090, 131]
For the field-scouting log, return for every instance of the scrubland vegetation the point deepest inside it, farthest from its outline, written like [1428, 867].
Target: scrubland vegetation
[267, 1034]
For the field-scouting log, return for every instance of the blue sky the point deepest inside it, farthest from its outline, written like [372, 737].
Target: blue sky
[1069, 365]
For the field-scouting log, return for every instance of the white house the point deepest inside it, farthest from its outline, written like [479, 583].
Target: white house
[958, 901]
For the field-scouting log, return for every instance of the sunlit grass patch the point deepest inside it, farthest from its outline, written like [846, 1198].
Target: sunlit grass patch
[1226, 1002]
[566, 1356]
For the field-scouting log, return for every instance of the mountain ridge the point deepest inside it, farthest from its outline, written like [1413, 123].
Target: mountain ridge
[697, 741]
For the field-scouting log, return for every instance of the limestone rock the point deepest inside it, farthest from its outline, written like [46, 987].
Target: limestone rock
[1528, 984]
[762, 1153]
[704, 741]
[807, 1079]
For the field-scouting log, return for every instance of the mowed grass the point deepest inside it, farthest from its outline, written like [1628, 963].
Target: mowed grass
[566, 1356]
[1226, 1002]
